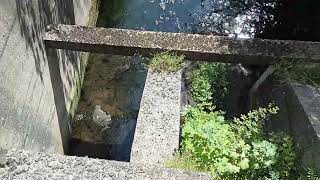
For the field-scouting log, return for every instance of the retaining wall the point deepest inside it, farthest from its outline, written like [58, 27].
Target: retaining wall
[38, 88]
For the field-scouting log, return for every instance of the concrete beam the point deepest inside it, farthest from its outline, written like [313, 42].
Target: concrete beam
[193, 46]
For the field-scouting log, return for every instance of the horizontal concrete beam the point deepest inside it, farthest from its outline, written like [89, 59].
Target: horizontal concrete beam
[193, 46]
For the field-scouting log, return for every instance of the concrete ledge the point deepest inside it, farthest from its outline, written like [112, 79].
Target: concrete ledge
[158, 124]
[22, 165]
[299, 116]
[193, 46]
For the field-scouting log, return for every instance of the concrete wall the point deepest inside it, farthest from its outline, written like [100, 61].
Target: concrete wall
[299, 116]
[38, 86]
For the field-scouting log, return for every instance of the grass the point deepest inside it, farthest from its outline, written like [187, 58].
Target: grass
[166, 62]
[182, 162]
[298, 71]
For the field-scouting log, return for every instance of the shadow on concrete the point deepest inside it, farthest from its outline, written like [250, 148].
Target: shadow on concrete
[64, 66]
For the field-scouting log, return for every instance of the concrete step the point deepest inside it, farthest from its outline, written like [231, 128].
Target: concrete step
[23, 165]
[158, 125]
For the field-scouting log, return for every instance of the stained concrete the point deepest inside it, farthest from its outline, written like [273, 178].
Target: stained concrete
[22, 165]
[299, 115]
[158, 125]
[37, 87]
[203, 47]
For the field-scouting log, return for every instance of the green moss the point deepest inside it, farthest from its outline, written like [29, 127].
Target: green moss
[94, 12]
[166, 62]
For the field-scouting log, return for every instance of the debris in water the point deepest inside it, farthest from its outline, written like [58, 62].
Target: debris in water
[162, 5]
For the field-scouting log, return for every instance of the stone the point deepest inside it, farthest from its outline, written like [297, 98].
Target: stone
[102, 119]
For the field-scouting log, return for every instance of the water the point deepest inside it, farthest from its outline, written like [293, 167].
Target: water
[221, 17]
[108, 107]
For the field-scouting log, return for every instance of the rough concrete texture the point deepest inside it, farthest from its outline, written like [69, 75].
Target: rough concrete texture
[299, 116]
[22, 165]
[158, 124]
[203, 47]
[36, 87]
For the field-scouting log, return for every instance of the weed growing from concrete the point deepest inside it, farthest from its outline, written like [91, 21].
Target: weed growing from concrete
[298, 71]
[166, 62]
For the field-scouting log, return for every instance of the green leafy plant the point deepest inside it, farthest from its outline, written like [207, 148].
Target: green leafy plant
[166, 62]
[286, 155]
[250, 126]
[211, 142]
[236, 149]
[208, 85]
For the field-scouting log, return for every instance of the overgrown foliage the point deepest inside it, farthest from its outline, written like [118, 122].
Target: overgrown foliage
[230, 149]
[209, 85]
[310, 174]
[166, 62]
[234, 150]
[298, 71]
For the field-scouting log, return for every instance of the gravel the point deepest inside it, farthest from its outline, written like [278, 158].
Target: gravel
[23, 165]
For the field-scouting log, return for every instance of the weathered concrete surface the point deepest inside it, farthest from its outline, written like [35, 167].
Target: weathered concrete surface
[22, 165]
[158, 124]
[34, 83]
[299, 116]
[193, 46]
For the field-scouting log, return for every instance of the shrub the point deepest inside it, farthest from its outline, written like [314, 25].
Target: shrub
[286, 155]
[166, 62]
[211, 142]
[208, 85]
[234, 150]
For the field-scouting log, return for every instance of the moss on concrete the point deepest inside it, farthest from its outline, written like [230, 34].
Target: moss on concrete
[84, 58]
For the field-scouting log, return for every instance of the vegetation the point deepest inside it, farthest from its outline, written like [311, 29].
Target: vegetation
[298, 71]
[209, 85]
[236, 149]
[310, 174]
[230, 149]
[166, 62]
